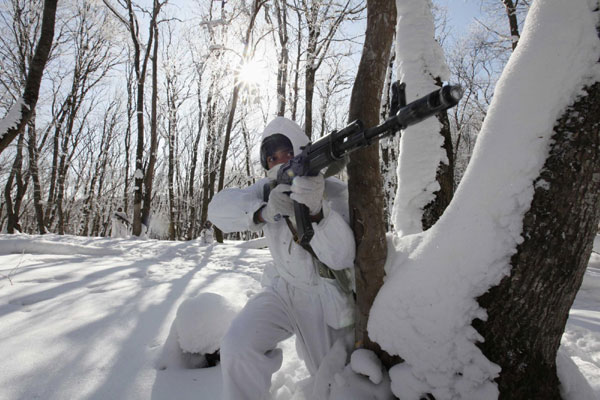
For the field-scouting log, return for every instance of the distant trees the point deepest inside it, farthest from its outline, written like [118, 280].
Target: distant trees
[103, 138]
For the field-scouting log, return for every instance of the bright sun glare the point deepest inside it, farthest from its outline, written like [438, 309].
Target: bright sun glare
[252, 73]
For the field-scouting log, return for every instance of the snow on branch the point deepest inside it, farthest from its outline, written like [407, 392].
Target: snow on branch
[13, 117]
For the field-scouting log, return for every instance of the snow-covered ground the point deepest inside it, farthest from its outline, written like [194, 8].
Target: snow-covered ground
[91, 318]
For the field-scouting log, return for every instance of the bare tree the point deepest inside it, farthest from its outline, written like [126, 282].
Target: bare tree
[284, 58]
[323, 20]
[99, 160]
[256, 6]
[16, 174]
[93, 59]
[177, 92]
[141, 55]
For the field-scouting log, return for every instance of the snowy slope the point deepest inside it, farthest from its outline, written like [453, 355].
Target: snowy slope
[85, 318]
[88, 318]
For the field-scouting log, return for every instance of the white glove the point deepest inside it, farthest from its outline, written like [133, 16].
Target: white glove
[308, 190]
[279, 204]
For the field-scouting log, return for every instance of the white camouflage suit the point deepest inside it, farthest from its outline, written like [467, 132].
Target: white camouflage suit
[290, 304]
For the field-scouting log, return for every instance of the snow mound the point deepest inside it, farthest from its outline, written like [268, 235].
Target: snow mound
[366, 363]
[202, 321]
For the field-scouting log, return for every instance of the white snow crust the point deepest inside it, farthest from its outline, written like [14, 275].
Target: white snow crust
[425, 308]
[12, 118]
[420, 61]
[366, 363]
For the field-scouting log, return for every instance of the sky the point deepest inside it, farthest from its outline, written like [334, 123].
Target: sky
[461, 13]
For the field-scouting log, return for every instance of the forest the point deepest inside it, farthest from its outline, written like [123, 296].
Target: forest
[473, 230]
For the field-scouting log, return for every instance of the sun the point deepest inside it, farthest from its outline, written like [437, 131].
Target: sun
[252, 73]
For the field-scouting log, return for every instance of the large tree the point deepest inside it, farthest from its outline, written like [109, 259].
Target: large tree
[509, 254]
[143, 176]
[364, 176]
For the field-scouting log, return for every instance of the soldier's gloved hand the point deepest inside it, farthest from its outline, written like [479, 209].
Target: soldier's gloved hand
[308, 190]
[279, 205]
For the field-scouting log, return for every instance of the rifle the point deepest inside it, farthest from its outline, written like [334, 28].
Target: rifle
[332, 150]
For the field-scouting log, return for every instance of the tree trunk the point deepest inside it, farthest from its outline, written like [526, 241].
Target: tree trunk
[511, 12]
[549, 265]
[444, 176]
[149, 175]
[296, 87]
[35, 178]
[416, 210]
[221, 183]
[34, 77]
[130, 111]
[191, 199]
[12, 208]
[309, 91]
[283, 61]
[172, 132]
[364, 184]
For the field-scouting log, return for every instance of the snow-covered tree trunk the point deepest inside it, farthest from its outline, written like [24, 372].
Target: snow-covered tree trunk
[527, 312]
[364, 176]
[425, 173]
[16, 120]
[15, 176]
[508, 255]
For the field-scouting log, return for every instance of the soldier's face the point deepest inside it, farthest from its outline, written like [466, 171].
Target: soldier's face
[281, 156]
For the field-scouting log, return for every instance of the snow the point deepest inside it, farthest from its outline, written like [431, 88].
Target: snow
[420, 60]
[202, 321]
[425, 308]
[366, 363]
[95, 318]
[12, 118]
[139, 174]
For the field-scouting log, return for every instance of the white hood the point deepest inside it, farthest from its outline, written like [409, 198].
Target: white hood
[288, 128]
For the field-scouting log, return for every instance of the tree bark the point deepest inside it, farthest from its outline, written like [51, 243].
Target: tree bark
[283, 61]
[194, 163]
[549, 265]
[35, 178]
[365, 184]
[149, 173]
[12, 208]
[34, 77]
[444, 176]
